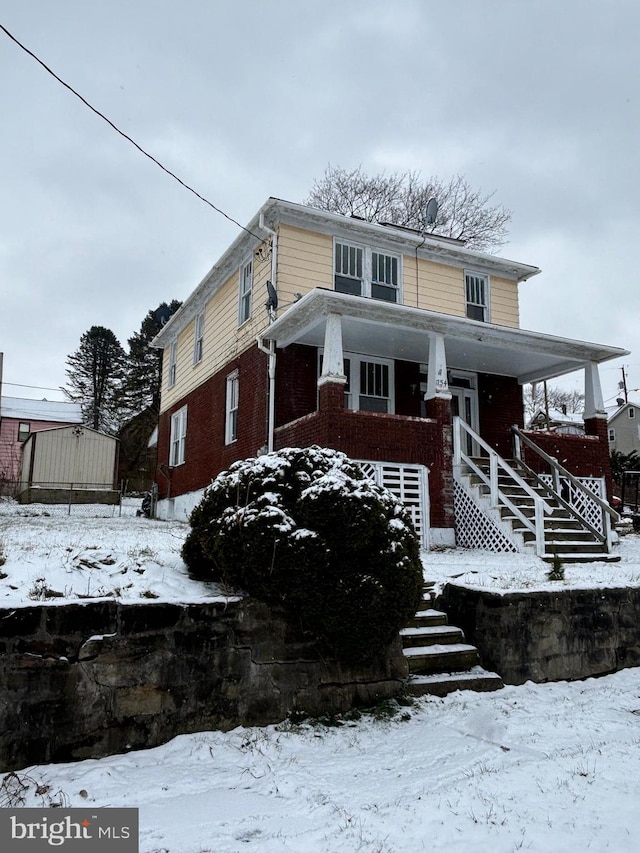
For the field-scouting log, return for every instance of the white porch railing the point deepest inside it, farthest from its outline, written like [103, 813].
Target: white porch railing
[535, 523]
[409, 483]
[580, 500]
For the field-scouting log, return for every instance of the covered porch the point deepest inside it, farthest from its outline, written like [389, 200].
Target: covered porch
[383, 382]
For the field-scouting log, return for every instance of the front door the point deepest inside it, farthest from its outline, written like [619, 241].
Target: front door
[464, 403]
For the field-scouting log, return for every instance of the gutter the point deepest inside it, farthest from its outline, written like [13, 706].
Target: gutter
[271, 349]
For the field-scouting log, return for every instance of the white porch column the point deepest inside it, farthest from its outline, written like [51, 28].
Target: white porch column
[333, 358]
[593, 402]
[437, 383]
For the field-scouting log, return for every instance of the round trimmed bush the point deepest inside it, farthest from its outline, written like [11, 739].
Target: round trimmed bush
[305, 529]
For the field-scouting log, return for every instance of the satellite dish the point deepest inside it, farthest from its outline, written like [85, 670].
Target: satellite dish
[162, 314]
[272, 301]
[431, 212]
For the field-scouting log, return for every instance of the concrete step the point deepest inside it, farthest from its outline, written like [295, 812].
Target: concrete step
[431, 635]
[443, 683]
[429, 616]
[441, 658]
[578, 557]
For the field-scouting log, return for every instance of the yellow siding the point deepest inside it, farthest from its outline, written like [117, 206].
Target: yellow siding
[504, 302]
[305, 261]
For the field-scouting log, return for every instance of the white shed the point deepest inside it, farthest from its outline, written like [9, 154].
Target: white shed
[72, 460]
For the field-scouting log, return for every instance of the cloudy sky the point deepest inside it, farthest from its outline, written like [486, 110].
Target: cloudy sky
[537, 100]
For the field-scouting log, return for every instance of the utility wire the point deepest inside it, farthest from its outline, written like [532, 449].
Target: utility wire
[124, 135]
[37, 387]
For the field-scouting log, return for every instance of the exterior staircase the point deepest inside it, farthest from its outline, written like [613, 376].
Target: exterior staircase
[439, 659]
[565, 536]
[507, 506]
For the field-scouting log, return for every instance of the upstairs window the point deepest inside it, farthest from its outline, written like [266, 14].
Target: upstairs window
[349, 269]
[198, 338]
[178, 437]
[246, 286]
[612, 434]
[173, 363]
[632, 412]
[24, 430]
[361, 271]
[477, 295]
[384, 277]
[231, 413]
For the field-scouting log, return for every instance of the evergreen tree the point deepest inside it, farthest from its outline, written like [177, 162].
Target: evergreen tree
[95, 374]
[144, 363]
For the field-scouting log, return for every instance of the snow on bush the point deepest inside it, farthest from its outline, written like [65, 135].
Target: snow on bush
[305, 529]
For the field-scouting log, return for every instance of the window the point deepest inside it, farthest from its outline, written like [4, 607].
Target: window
[632, 412]
[477, 292]
[362, 272]
[178, 437]
[198, 336]
[349, 269]
[173, 363]
[24, 429]
[231, 419]
[246, 284]
[369, 385]
[612, 434]
[384, 277]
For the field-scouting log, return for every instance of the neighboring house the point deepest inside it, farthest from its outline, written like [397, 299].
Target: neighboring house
[624, 428]
[70, 464]
[19, 418]
[557, 420]
[401, 349]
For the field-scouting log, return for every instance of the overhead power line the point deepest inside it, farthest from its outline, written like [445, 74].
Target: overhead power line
[125, 135]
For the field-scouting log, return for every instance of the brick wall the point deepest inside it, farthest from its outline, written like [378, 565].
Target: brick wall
[499, 408]
[205, 451]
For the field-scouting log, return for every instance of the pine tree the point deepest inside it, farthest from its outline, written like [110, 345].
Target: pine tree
[144, 363]
[95, 375]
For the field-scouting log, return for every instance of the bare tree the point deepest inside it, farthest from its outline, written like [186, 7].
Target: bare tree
[401, 198]
[567, 402]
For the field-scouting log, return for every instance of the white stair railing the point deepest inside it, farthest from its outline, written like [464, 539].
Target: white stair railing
[558, 473]
[497, 497]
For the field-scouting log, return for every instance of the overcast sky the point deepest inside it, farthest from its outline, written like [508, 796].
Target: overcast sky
[537, 100]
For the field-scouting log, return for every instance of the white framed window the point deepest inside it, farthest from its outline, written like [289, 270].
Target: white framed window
[245, 290]
[362, 271]
[612, 434]
[178, 438]
[173, 363]
[369, 385]
[24, 430]
[385, 276]
[198, 338]
[231, 408]
[477, 296]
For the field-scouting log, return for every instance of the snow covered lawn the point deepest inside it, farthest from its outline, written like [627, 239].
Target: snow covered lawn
[550, 767]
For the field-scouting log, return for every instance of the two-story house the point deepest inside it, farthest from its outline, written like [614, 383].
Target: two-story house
[402, 349]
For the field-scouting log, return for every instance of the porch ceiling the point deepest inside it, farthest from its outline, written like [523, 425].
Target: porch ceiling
[374, 327]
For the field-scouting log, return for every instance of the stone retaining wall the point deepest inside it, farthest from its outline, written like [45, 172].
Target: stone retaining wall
[96, 678]
[551, 635]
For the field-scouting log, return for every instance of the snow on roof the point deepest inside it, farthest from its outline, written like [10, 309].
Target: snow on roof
[55, 411]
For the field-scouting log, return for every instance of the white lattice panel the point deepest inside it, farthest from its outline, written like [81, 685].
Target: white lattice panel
[409, 484]
[586, 508]
[474, 529]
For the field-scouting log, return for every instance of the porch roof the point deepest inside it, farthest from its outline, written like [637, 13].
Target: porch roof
[383, 329]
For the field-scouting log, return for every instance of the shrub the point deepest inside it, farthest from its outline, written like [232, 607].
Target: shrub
[305, 529]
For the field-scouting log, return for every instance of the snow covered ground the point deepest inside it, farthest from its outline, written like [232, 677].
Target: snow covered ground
[551, 767]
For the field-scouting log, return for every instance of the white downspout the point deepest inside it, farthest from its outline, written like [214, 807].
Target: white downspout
[271, 349]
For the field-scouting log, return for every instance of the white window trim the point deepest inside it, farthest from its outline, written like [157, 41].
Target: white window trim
[612, 434]
[173, 364]
[367, 266]
[353, 395]
[178, 438]
[231, 434]
[487, 293]
[245, 297]
[198, 338]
